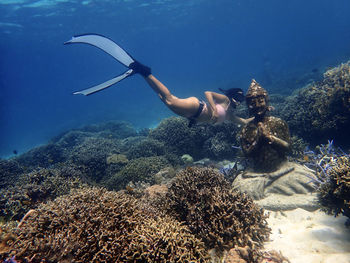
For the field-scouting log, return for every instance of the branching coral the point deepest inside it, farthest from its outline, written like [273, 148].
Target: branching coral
[92, 155]
[94, 225]
[33, 188]
[163, 239]
[177, 136]
[140, 169]
[334, 194]
[199, 141]
[43, 156]
[9, 172]
[331, 177]
[201, 198]
[146, 148]
[321, 110]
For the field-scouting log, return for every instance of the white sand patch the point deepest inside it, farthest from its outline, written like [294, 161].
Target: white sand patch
[311, 237]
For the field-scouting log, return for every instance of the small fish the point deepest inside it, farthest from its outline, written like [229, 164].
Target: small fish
[15, 152]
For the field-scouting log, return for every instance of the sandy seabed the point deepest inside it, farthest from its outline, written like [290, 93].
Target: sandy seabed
[309, 237]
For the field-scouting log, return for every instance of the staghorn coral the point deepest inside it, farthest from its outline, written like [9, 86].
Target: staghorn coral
[111, 130]
[43, 156]
[163, 239]
[140, 169]
[219, 146]
[331, 177]
[94, 225]
[146, 148]
[177, 136]
[92, 155]
[119, 159]
[199, 141]
[201, 198]
[334, 193]
[34, 188]
[9, 172]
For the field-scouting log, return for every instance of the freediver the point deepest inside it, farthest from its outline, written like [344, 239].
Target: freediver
[219, 107]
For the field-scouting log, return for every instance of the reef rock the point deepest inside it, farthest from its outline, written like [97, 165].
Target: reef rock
[287, 188]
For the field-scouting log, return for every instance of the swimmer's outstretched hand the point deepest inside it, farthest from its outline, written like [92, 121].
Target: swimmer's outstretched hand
[143, 70]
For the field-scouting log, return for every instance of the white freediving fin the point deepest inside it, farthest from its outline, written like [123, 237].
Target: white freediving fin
[106, 45]
[104, 85]
[110, 48]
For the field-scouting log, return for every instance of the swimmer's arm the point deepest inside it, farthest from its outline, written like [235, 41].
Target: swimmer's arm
[239, 120]
[213, 97]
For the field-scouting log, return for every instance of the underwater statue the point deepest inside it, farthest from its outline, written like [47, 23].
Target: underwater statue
[265, 139]
[277, 183]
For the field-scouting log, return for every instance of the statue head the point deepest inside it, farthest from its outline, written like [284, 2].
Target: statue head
[257, 100]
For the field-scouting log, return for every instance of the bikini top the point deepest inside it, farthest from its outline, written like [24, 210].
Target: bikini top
[221, 113]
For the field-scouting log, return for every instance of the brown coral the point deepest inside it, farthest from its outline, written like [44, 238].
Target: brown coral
[163, 239]
[321, 110]
[334, 194]
[34, 188]
[94, 225]
[247, 255]
[201, 198]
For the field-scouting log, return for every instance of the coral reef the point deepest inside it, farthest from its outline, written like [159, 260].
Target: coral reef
[94, 225]
[92, 155]
[321, 110]
[218, 146]
[43, 156]
[34, 188]
[247, 255]
[331, 177]
[111, 130]
[164, 240]
[334, 194]
[120, 159]
[177, 136]
[199, 141]
[9, 172]
[187, 159]
[140, 169]
[146, 148]
[202, 199]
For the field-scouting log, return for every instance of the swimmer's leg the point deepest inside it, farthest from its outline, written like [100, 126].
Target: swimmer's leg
[184, 107]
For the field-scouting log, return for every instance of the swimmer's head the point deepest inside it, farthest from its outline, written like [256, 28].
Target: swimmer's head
[235, 95]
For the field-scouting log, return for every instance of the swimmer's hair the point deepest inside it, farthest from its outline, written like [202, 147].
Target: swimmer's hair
[235, 93]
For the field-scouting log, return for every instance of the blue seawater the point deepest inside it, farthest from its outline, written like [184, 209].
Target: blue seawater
[191, 45]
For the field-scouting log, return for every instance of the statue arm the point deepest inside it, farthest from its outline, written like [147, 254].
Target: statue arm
[279, 142]
[247, 146]
[283, 143]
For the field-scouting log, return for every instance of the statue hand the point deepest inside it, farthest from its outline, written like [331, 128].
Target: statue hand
[264, 132]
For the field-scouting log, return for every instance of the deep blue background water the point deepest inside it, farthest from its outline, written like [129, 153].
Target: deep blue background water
[191, 45]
